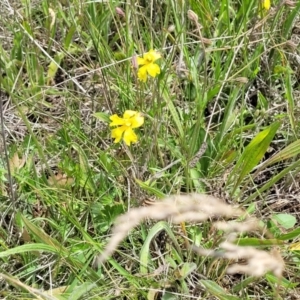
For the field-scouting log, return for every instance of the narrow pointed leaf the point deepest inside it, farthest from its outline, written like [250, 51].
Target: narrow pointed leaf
[288, 152]
[145, 251]
[253, 153]
[42, 236]
[214, 289]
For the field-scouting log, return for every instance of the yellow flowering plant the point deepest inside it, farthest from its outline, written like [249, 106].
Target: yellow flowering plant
[148, 65]
[131, 119]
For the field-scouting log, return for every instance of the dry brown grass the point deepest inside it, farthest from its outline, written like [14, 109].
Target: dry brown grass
[202, 208]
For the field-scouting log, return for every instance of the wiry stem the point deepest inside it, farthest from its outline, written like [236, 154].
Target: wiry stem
[5, 152]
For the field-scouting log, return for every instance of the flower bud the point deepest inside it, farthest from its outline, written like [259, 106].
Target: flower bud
[120, 12]
[192, 16]
[290, 3]
[241, 79]
[171, 28]
[134, 62]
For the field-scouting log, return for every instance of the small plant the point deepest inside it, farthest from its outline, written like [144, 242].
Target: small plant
[100, 128]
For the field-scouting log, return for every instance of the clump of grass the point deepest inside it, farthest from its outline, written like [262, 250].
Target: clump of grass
[220, 108]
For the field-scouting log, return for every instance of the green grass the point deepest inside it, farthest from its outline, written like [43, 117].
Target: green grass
[66, 66]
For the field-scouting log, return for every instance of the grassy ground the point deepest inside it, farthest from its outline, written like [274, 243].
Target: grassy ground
[221, 119]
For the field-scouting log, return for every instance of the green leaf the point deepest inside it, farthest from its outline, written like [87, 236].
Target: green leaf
[294, 166]
[289, 151]
[213, 288]
[150, 189]
[102, 116]
[69, 36]
[262, 100]
[186, 269]
[145, 251]
[152, 294]
[79, 291]
[42, 236]
[258, 242]
[289, 91]
[289, 236]
[287, 26]
[281, 281]
[287, 221]
[243, 284]
[14, 281]
[52, 245]
[86, 178]
[53, 67]
[169, 296]
[252, 154]
[29, 248]
[173, 112]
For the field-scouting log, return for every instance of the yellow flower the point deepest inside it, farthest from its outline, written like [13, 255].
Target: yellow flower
[131, 119]
[148, 65]
[267, 4]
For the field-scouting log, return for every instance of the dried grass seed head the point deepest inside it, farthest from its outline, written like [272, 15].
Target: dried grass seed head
[193, 207]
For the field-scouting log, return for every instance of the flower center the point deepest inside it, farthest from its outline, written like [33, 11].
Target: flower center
[148, 58]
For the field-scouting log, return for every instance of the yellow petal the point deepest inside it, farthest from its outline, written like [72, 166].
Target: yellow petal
[116, 121]
[267, 4]
[154, 54]
[117, 133]
[153, 70]
[141, 61]
[137, 121]
[129, 113]
[142, 73]
[129, 137]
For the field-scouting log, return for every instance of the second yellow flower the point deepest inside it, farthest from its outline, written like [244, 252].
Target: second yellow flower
[148, 66]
